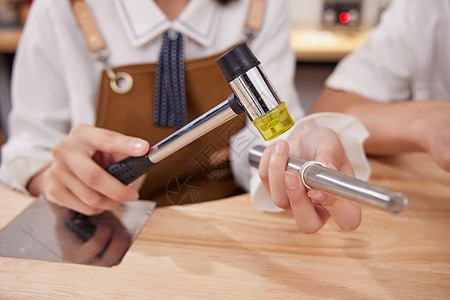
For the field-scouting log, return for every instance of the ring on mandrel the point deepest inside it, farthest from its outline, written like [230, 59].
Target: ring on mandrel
[305, 166]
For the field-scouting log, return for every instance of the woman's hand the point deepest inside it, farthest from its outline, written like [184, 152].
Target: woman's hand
[77, 178]
[311, 208]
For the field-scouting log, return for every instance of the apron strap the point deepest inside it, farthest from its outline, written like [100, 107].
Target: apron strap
[120, 82]
[255, 18]
[88, 26]
[100, 52]
[97, 45]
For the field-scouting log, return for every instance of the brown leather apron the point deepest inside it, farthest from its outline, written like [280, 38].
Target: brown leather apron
[199, 171]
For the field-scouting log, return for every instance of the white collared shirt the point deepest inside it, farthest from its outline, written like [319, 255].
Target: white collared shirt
[55, 82]
[407, 56]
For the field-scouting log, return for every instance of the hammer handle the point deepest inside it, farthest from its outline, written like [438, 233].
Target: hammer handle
[130, 168]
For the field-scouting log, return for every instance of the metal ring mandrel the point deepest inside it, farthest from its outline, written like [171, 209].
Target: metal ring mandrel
[303, 169]
[316, 176]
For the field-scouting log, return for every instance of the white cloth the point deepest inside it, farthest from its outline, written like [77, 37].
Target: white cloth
[407, 56]
[55, 82]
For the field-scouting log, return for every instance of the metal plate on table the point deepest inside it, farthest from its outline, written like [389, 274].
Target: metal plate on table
[46, 231]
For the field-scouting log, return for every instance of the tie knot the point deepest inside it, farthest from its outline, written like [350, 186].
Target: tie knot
[172, 34]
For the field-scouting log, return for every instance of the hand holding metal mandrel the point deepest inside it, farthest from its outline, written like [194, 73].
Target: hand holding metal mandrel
[316, 175]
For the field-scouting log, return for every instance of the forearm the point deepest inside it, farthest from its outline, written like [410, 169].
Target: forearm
[394, 127]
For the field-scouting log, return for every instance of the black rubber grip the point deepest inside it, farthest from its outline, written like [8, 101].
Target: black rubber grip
[130, 168]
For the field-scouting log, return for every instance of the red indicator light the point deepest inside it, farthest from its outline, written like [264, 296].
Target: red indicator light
[344, 17]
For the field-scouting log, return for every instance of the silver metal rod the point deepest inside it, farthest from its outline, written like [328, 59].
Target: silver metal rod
[339, 184]
[192, 131]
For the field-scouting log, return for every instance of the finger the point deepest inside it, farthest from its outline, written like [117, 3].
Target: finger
[346, 213]
[305, 214]
[86, 194]
[92, 175]
[331, 153]
[264, 167]
[99, 139]
[321, 211]
[91, 140]
[60, 195]
[277, 166]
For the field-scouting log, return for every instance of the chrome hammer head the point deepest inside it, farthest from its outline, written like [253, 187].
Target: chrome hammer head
[254, 92]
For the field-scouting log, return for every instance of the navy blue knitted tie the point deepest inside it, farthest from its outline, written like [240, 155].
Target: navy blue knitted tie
[170, 91]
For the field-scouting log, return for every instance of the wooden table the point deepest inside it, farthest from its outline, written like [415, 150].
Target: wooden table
[227, 249]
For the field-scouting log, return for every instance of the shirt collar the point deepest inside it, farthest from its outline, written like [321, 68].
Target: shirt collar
[144, 20]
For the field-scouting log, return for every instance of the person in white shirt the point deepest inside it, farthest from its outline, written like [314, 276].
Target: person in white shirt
[398, 83]
[67, 123]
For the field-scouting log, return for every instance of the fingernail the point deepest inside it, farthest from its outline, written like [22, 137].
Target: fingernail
[280, 147]
[137, 144]
[316, 195]
[290, 180]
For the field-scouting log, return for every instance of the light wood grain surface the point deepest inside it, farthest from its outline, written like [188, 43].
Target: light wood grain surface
[325, 45]
[227, 249]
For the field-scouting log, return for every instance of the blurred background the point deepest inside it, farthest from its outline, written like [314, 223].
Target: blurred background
[323, 32]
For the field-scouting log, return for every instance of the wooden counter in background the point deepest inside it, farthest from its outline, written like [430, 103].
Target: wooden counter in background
[325, 45]
[9, 38]
[309, 44]
[227, 249]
